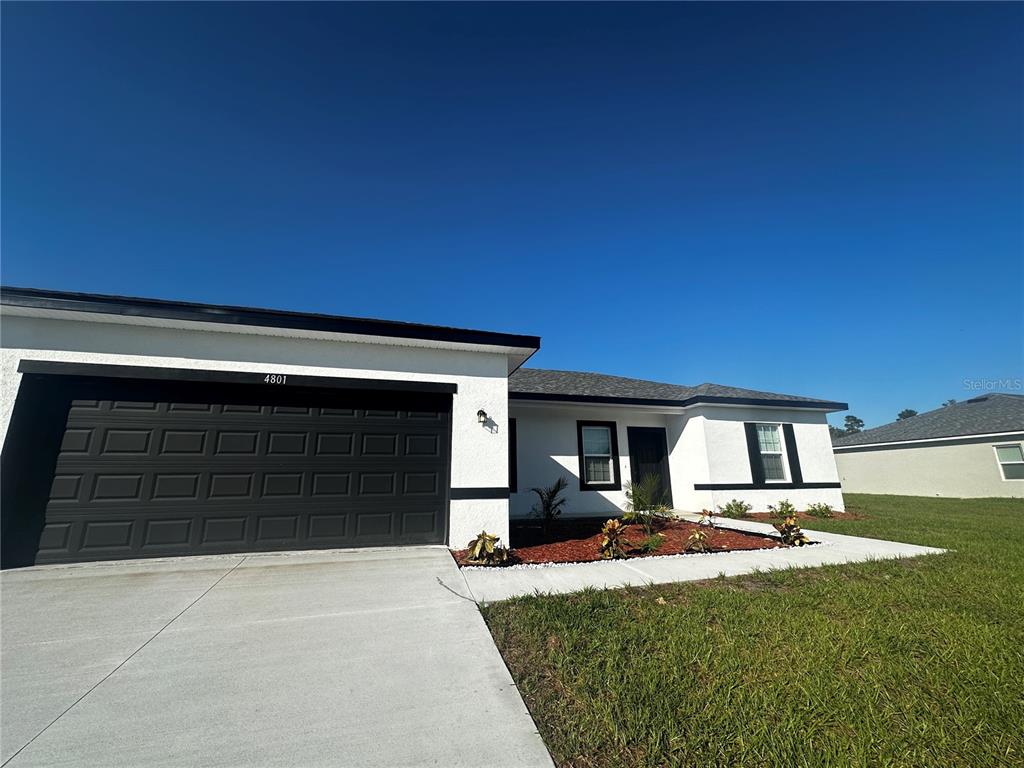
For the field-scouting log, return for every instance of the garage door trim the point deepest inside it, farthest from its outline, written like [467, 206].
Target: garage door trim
[159, 373]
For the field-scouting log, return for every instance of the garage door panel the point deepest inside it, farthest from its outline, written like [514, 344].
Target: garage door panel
[146, 470]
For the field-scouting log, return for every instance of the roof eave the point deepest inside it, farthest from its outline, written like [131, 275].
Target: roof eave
[685, 403]
[520, 347]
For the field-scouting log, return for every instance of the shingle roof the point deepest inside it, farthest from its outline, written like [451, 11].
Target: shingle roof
[539, 384]
[989, 414]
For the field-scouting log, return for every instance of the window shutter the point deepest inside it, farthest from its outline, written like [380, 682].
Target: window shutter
[794, 458]
[754, 452]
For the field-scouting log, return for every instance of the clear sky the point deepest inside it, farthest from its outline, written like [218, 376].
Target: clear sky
[819, 199]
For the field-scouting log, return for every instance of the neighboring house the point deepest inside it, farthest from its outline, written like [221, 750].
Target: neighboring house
[146, 428]
[971, 449]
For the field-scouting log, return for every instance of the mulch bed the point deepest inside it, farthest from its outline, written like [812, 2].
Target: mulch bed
[579, 541]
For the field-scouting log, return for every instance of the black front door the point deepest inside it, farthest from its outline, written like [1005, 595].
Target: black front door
[648, 455]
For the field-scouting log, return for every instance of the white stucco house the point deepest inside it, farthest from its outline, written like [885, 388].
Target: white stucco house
[147, 428]
[972, 449]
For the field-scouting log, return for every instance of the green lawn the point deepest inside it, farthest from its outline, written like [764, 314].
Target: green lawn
[900, 663]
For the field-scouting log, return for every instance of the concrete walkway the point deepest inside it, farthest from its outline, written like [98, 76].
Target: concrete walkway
[343, 658]
[493, 584]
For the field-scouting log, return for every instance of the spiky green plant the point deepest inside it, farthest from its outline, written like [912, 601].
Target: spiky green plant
[645, 503]
[550, 501]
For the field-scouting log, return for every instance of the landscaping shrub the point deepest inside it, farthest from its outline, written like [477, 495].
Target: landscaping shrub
[651, 544]
[645, 503]
[485, 550]
[698, 541]
[613, 543]
[734, 509]
[549, 502]
[820, 510]
[784, 510]
[791, 533]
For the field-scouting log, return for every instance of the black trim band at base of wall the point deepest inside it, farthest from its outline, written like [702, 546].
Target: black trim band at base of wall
[761, 486]
[255, 378]
[465, 494]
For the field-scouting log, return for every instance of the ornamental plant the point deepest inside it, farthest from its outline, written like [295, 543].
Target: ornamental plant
[550, 502]
[790, 532]
[698, 541]
[781, 512]
[734, 509]
[645, 503]
[651, 544]
[485, 550]
[820, 509]
[613, 541]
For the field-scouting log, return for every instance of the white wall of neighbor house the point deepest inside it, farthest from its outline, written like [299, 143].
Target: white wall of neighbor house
[958, 471]
[479, 451]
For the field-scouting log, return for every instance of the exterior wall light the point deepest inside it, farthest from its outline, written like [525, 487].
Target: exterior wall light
[481, 416]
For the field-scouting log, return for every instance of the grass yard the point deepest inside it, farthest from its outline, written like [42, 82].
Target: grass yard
[901, 663]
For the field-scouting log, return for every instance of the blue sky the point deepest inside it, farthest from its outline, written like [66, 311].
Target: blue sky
[821, 199]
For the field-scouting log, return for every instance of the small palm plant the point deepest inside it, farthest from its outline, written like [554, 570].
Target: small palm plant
[645, 503]
[613, 542]
[550, 502]
[485, 550]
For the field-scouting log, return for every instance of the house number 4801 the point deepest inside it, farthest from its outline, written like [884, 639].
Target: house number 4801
[275, 378]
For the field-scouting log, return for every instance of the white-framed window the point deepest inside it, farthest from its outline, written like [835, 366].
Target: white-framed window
[598, 449]
[769, 442]
[1011, 461]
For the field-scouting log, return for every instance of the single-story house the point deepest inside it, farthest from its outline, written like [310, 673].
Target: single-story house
[146, 428]
[971, 449]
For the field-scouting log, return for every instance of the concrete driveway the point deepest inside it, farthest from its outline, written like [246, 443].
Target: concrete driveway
[357, 658]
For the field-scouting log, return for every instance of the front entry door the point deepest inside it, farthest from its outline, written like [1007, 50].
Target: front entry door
[648, 455]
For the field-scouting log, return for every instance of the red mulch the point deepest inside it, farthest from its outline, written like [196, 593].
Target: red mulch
[579, 541]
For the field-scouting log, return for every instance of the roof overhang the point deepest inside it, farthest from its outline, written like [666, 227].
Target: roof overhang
[809, 405]
[31, 302]
[927, 442]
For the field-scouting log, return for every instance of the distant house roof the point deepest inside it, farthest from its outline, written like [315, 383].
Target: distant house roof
[577, 386]
[990, 414]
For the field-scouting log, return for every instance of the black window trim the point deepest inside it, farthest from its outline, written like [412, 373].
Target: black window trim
[616, 483]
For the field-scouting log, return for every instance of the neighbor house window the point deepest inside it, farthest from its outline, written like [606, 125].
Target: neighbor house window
[598, 454]
[1011, 461]
[769, 442]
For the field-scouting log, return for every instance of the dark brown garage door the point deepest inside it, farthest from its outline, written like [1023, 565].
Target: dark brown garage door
[150, 469]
